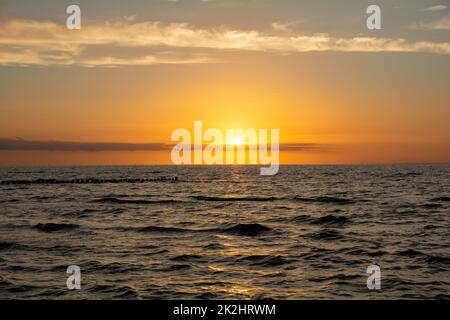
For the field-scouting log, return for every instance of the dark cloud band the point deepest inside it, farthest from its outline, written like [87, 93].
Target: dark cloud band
[72, 146]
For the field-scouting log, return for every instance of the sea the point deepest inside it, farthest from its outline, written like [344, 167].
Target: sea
[225, 232]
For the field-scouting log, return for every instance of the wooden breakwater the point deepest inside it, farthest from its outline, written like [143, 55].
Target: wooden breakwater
[89, 181]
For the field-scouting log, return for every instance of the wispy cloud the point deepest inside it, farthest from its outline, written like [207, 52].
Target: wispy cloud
[286, 26]
[145, 60]
[439, 7]
[440, 24]
[51, 145]
[31, 42]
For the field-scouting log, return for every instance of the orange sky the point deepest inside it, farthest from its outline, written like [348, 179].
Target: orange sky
[367, 105]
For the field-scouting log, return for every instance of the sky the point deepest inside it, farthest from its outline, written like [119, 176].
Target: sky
[114, 91]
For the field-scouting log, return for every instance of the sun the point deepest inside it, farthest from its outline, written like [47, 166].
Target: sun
[236, 141]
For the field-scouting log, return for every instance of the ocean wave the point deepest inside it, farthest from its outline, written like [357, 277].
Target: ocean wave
[266, 260]
[84, 213]
[54, 227]
[318, 199]
[135, 201]
[363, 252]
[176, 267]
[4, 246]
[206, 296]
[242, 229]
[109, 267]
[411, 253]
[431, 259]
[150, 229]
[331, 220]
[214, 246]
[325, 234]
[324, 220]
[43, 197]
[160, 229]
[438, 260]
[186, 257]
[326, 199]
[121, 292]
[5, 283]
[430, 205]
[337, 277]
[22, 268]
[9, 200]
[403, 174]
[255, 199]
[301, 218]
[246, 229]
[441, 199]
[20, 288]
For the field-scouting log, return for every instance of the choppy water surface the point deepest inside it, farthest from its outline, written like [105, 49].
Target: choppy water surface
[227, 232]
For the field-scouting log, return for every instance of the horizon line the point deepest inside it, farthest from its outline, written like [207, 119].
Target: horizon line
[227, 165]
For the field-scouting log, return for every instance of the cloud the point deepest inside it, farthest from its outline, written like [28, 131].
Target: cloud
[440, 24]
[32, 42]
[306, 147]
[286, 26]
[140, 61]
[50, 145]
[73, 146]
[440, 7]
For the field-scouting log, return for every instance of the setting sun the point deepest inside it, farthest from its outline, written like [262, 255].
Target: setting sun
[237, 141]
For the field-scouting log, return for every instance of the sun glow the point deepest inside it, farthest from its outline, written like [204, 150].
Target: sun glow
[237, 141]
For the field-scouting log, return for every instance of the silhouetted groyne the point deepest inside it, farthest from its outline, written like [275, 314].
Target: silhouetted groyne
[90, 181]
